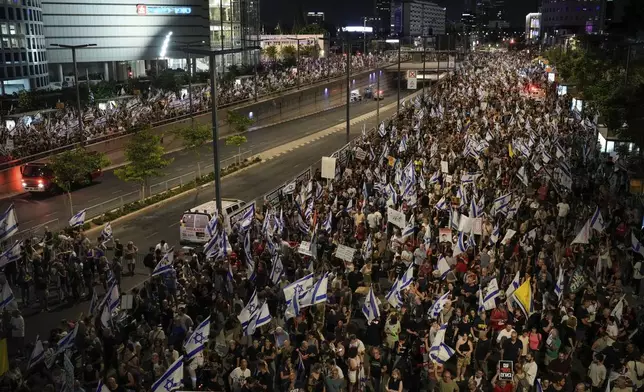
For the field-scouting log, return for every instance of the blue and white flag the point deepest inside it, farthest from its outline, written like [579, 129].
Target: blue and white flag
[394, 296]
[78, 219]
[371, 309]
[246, 315]
[10, 255]
[516, 282]
[278, 270]
[93, 303]
[501, 203]
[8, 224]
[172, 379]
[435, 177]
[102, 387]
[443, 267]
[261, 317]
[212, 224]
[292, 308]
[494, 237]
[442, 204]
[197, 341]
[469, 178]
[113, 298]
[165, 265]
[250, 263]
[6, 296]
[537, 384]
[317, 293]
[559, 286]
[439, 351]
[597, 222]
[326, 226]
[407, 278]
[67, 341]
[107, 232]
[368, 248]
[37, 355]
[460, 246]
[300, 287]
[637, 246]
[229, 275]
[490, 294]
[409, 229]
[381, 130]
[438, 306]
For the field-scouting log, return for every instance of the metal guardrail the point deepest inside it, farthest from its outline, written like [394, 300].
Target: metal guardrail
[44, 154]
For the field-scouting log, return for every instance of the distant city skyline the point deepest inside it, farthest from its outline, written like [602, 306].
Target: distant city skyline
[342, 12]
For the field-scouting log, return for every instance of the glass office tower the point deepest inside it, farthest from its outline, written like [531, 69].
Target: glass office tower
[234, 25]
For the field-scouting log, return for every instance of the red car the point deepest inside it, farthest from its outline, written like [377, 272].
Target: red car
[37, 177]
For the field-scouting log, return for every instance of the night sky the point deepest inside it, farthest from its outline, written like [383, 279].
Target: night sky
[350, 11]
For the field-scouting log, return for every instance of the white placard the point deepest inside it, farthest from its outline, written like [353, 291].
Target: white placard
[465, 224]
[396, 218]
[508, 236]
[448, 178]
[305, 248]
[412, 84]
[444, 167]
[361, 154]
[127, 301]
[344, 253]
[328, 168]
[477, 226]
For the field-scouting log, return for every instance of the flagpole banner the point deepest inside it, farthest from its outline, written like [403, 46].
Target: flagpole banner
[396, 218]
[328, 168]
[345, 253]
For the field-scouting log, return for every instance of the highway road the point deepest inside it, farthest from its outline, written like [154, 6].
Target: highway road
[54, 211]
[163, 223]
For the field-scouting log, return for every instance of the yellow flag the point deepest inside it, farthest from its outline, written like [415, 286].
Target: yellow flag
[4, 357]
[523, 298]
[510, 151]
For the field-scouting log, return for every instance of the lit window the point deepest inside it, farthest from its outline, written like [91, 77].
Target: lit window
[12, 29]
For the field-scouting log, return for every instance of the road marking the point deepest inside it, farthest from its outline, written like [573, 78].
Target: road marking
[151, 235]
[174, 224]
[51, 213]
[116, 192]
[91, 200]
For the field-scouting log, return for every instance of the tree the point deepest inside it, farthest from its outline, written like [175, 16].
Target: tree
[75, 167]
[25, 100]
[238, 122]
[194, 138]
[145, 154]
[237, 141]
[288, 52]
[312, 28]
[166, 81]
[271, 52]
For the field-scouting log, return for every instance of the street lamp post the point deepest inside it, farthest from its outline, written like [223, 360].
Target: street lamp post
[348, 87]
[213, 93]
[424, 60]
[78, 102]
[399, 77]
[190, 59]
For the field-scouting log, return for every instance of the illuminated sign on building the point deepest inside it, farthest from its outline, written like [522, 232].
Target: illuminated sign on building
[142, 9]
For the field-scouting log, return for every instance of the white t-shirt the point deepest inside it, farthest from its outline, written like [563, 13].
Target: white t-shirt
[18, 327]
[564, 208]
[164, 248]
[504, 333]
[238, 376]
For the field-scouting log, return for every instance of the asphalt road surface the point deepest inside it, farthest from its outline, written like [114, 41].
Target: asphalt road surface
[163, 223]
[54, 211]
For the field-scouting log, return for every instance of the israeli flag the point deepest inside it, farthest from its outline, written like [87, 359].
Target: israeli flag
[302, 225]
[106, 232]
[597, 222]
[247, 218]
[381, 130]
[469, 178]
[439, 351]
[537, 384]
[474, 211]
[172, 379]
[316, 294]
[327, 224]
[8, 224]
[300, 287]
[471, 240]
[496, 233]
[197, 341]
[454, 218]
[409, 229]
[78, 219]
[112, 298]
[491, 293]
[437, 307]
[67, 341]
[442, 204]
[407, 278]
[165, 265]
[394, 297]
[292, 308]
[501, 203]
[250, 263]
[102, 387]
[516, 282]
[261, 317]
[368, 248]
[435, 177]
[443, 267]
[391, 192]
[371, 309]
[229, 274]
[559, 286]
[93, 303]
[37, 355]
[403, 144]
[6, 296]
[278, 270]
[10, 255]
[460, 246]
[211, 229]
[523, 176]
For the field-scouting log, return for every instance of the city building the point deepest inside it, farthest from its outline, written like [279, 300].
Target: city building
[382, 15]
[233, 24]
[566, 17]
[417, 18]
[23, 55]
[307, 41]
[488, 11]
[533, 27]
[315, 18]
[130, 36]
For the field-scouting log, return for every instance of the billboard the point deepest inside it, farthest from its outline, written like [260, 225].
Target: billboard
[142, 9]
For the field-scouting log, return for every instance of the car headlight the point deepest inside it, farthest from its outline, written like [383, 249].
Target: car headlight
[40, 185]
[24, 184]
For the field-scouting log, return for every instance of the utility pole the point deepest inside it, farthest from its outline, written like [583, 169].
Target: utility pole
[399, 76]
[78, 102]
[190, 60]
[348, 86]
[424, 61]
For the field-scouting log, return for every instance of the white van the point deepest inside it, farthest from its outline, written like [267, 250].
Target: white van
[355, 96]
[194, 221]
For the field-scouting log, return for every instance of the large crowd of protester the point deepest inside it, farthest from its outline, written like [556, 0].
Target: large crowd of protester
[38, 133]
[477, 241]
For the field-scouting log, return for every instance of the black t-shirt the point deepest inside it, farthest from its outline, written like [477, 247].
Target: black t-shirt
[376, 367]
[265, 379]
[354, 278]
[512, 350]
[480, 324]
[483, 347]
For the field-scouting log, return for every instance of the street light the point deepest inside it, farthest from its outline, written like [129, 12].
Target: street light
[189, 59]
[78, 103]
[392, 41]
[213, 93]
